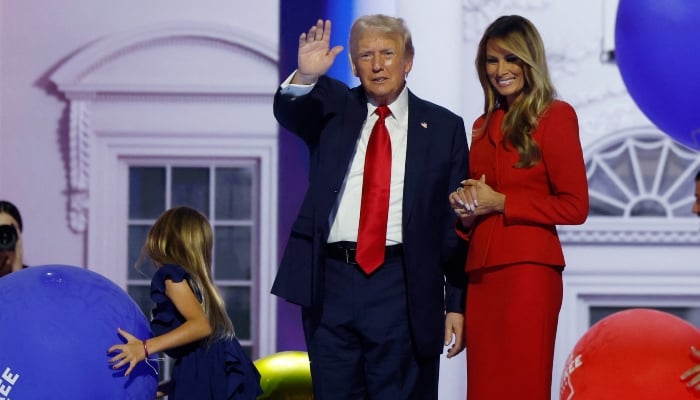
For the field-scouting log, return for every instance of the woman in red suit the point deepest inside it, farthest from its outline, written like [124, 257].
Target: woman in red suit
[527, 176]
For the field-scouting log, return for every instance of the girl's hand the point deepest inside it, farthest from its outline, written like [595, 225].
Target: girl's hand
[132, 352]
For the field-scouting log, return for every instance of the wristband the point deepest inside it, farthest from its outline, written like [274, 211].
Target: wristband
[145, 348]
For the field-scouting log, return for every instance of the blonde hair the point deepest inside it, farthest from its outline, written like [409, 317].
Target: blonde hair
[384, 24]
[183, 236]
[519, 36]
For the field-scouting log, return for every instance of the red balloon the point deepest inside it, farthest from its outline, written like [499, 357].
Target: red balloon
[633, 354]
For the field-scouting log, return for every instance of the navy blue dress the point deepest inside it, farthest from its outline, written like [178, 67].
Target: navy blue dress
[218, 371]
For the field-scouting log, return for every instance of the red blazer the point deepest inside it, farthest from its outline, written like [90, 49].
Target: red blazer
[553, 192]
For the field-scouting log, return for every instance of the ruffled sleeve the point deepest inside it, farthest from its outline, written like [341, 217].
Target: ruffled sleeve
[166, 317]
[169, 271]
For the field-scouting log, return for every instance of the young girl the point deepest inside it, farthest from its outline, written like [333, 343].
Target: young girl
[189, 318]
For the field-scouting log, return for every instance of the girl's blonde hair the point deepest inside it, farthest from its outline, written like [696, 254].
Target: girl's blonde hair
[183, 236]
[519, 36]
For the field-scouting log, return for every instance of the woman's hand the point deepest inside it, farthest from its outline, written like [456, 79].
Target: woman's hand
[475, 198]
[463, 206]
[484, 199]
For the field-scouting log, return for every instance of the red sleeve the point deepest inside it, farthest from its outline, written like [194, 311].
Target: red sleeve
[563, 198]
[464, 233]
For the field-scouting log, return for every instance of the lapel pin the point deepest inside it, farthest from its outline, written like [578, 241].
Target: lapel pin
[424, 124]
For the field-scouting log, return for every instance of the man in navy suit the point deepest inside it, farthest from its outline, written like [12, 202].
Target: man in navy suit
[375, 335]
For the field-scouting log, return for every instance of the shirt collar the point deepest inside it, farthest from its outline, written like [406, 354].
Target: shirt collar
[398, 107]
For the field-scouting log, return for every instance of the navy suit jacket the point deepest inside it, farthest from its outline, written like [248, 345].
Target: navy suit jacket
[329, 120]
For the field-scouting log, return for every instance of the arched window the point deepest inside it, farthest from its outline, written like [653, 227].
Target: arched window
[641, 188]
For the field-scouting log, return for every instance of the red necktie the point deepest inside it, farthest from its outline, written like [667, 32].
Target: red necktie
[374, 209]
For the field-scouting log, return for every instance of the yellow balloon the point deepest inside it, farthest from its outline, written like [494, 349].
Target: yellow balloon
[285, 376]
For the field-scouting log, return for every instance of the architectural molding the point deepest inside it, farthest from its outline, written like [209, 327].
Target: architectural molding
[112, 70]
[79, 160]
[629, 236]
[81, 73]
[180, 90]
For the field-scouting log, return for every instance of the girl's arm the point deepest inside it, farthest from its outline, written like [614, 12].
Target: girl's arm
[195, 327]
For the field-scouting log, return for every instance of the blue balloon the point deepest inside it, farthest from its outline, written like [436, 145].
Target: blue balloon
[56, 324]
[657, 48]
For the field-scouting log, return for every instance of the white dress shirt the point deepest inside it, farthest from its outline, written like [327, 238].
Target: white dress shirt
[345, 218]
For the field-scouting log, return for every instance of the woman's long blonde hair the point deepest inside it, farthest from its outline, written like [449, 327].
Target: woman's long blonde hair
[519, 36]
[183, 236]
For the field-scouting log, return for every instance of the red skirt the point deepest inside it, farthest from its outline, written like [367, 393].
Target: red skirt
[511, 325]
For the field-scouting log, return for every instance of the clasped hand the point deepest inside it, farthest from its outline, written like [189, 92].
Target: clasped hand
[475, 198]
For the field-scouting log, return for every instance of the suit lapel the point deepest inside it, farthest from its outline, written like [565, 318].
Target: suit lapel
[418, 141]
[349, 133]
[338, 146]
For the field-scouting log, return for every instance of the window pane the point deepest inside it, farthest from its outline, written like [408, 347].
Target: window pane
[238, 308]
[230, 191]
[233, 193]
[232, 252]
[146, 192]
[137, 237]
[142, 297]
[190, 187]
[641, 175]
